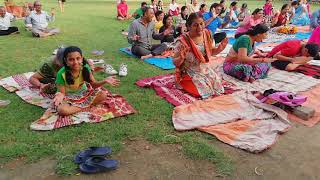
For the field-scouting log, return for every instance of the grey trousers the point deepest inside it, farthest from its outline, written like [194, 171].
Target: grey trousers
[38, 32]
[155, 50]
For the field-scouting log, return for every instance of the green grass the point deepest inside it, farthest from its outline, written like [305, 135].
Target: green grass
[91, 25]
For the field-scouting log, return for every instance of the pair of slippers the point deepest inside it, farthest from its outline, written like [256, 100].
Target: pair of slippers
[92, 160]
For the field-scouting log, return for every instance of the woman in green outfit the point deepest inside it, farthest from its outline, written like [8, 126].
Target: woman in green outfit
[47, 73]
[77, 88]
[243, 61]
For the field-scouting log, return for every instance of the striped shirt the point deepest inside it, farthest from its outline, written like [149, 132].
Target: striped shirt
[39, 21]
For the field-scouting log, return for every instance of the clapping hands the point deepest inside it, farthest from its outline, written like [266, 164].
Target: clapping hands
[135, 37]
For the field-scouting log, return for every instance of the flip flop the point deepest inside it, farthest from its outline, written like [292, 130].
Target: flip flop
[4, 102]
[98, 164]
[97, 52]
[82, 156]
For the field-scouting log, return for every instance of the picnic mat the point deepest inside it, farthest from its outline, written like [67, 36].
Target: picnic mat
[238, 119]
[165, 63]
[114, 106]
[313, 101]
[251, 135]
[309, 70]
[165, 86]
[273, 37]
[277, 79]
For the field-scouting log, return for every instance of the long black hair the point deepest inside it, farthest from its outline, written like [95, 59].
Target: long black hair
[85, 71]
[256, 11]
[284, 6]
[213, 6]
[258, 29]
[202, 6]
[164, 21]
[191, 18]
[157, 14]
[244, 5]
[182, 16]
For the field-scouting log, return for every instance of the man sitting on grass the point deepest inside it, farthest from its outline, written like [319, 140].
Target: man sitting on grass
[39, 21]
[5, 23]
[138, 13]
[141, 32]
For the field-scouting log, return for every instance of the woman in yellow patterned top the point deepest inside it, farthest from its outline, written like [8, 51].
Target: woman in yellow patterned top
[159, 20]
[77, 88]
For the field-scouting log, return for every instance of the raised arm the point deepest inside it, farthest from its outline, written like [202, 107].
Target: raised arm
[209, 20]
[28, 19]
[133, 33]
[160, 35]
[179, 55]
[220, 48]
[50, 18]
[112, 80]
[12, 18]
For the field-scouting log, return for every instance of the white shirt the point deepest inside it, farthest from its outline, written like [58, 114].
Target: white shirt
[39, 21]
[173, 7]
[5, 22]
[193, 9]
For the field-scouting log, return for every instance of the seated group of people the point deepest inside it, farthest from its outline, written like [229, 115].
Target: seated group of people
[37, 21]
[194, 62]
[193, 58]
[161, 27]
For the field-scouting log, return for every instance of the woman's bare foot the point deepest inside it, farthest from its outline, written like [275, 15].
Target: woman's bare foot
[246, 79]
[146, 56]
[251, 79]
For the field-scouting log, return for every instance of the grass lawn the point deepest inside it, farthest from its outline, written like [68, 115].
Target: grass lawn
[92, 25]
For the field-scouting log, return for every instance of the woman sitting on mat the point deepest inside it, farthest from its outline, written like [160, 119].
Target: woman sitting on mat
[193, 60]
[45, 77]
[244, 12]
[122, 9]
[293, 53]
[47, 73]
[181, 20]
[250, 21]
[281, 18]
[300, 17]
[158, 21]
[243, 62]
[77, 88]
[169, 28]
